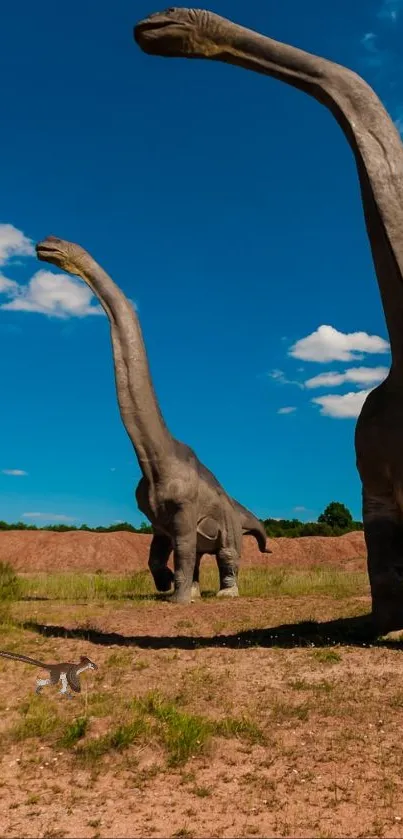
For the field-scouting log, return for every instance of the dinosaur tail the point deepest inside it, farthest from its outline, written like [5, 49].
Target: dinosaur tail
[252, 526]
[17, 657]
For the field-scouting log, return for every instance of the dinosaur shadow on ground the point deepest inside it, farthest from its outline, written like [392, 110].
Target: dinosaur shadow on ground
[348, 632]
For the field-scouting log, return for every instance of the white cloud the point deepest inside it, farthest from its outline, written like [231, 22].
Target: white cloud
[286, 410]
[14, 243]
[7, 286]
[390, 10]
[360, 375]
[16, 473]
[300, 509]
[51, 294]
[281, 378]
[49, 516]
[374, 56]
[327, 344]
[342, 407]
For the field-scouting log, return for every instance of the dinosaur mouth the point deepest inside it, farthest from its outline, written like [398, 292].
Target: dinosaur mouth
[161, 33]
[150, 25]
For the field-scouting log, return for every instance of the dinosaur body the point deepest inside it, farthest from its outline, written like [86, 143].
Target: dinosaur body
[378, 152]
[190, 512]
[65, 672]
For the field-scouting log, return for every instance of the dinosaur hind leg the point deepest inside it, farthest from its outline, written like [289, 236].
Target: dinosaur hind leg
[383, 529]
[160, 550]
[228, 557]
[41, 683]
[196, 594]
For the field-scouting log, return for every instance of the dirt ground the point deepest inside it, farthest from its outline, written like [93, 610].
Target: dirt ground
[316, 752]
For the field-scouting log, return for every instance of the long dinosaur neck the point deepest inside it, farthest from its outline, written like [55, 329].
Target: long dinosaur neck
[138, 404]
[372, 136]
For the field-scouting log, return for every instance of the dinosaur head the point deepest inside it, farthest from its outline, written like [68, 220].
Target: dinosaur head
[86, 662]
[65, 255]
[177, 33]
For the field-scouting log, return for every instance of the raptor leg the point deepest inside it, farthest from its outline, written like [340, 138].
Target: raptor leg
[65, 687]
[228, 566]
[41, 683]
[160, 550]
[383, 529]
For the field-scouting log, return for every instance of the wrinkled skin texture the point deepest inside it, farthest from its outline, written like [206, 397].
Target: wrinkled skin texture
[190, 512]
[378, 152]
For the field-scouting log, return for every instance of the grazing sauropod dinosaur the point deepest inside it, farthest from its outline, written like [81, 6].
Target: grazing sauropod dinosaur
[65, 672]
[190, 511]
[378, 152]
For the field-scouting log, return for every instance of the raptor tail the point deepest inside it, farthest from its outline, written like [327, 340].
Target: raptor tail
[25, 658]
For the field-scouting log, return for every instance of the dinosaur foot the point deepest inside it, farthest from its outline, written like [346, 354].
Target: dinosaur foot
[232, 591]
[195, 593]
[178, 597]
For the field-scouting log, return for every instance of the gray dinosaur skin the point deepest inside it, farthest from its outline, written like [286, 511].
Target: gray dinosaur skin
[190, 512]
[378, 153]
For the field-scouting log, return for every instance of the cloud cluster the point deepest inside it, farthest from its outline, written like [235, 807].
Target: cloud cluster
[386, 60]
[55, 295]
[390, 10]
[15, 473]
[358, 375]
[14, 243]
[327, 345]
[342, 407]
[59, 517]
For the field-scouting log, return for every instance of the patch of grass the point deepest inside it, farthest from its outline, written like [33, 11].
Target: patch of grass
[327, 656]
[10, 584]
[87, 587]
[73, 732]
[182, 734]
[283, 711]
[253, 582]
[202, 792]
[243, 729]
[39, 720]
[118, 739]
[286, 582]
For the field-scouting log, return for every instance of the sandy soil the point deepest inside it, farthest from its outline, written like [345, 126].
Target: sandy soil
[326, 698]
[331, 764]
[128, 552]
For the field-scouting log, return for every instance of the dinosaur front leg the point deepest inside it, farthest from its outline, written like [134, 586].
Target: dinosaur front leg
[160, 550]
[185, 555]
[383, 529]
[228, 566]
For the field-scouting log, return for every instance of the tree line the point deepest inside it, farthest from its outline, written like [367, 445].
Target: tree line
[336, 520]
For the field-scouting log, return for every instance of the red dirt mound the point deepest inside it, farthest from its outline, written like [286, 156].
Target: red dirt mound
[127, 552]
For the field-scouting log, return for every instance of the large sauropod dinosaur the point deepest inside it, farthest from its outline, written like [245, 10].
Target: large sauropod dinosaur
[190, 511]
[378, 152]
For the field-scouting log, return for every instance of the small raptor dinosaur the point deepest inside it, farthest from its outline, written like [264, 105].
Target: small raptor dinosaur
[66, 672]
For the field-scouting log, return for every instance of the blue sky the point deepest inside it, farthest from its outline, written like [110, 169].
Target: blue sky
[227, 206]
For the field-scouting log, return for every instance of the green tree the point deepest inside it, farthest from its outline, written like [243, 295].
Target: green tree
[336, 515]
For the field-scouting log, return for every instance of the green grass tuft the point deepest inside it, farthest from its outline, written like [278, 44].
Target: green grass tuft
[73, 732]
[10, 584]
